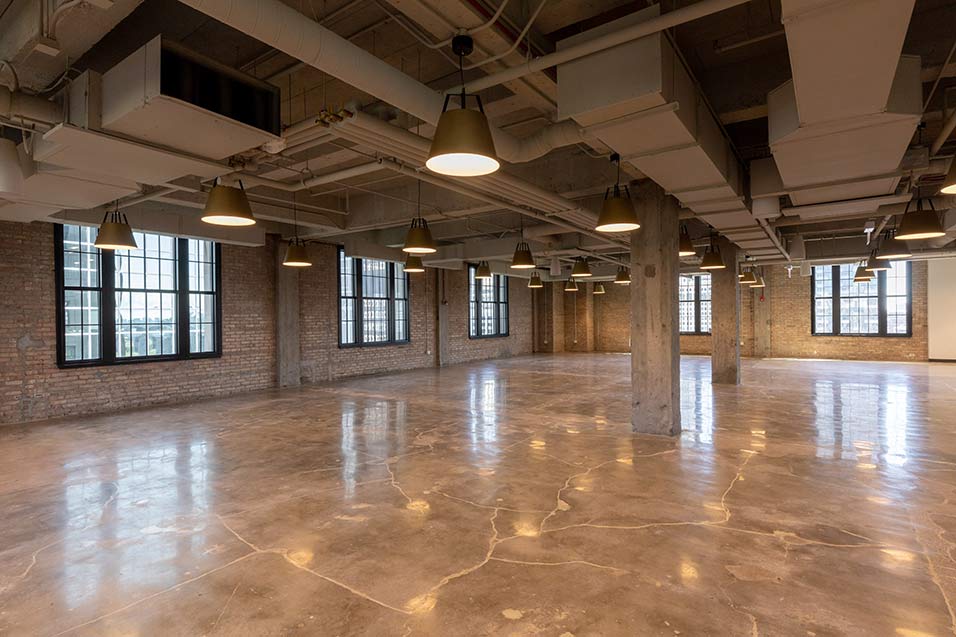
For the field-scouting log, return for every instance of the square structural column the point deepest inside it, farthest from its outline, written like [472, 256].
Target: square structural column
[725, 318]
[655, 335]
[288, 355]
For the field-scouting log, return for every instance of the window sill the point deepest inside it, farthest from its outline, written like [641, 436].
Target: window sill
[479, 338]
[863, 335]
[120, 362]
[384, 344]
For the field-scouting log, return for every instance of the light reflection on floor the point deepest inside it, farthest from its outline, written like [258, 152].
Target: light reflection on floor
[499, 497]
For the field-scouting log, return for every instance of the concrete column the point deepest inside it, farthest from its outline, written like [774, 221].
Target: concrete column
[579, 318]
[550, 303]
[288, 354]
[655, 336]
[725, 318]
[441, 319]
[762, 321]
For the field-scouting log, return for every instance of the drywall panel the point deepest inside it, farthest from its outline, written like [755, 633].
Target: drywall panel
[942, 309]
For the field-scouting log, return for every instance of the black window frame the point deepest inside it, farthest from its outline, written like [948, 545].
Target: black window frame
[107, 310]
[499, 282]
[358, 298]
[697, 303]
[881, 304]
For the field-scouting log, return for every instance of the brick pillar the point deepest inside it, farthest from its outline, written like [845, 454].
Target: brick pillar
[655, 337]
[288, 354]
[725, 318]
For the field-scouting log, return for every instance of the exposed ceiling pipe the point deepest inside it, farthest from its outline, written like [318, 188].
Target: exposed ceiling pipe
[17, 105]
[282, 27]
[318, 180]
[944, 134]
[656, 25]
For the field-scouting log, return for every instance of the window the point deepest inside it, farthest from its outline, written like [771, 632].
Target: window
[160, 302]
[695, 304]
[373, 302]
[881, 306]
[487, 305]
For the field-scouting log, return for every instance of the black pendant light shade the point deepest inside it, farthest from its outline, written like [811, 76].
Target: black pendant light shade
[759, 283]
[419, 238]
[462, 145]
[748, 278]
[227, 206]
[892, 250]
[919, 224]
[949, 184]
[862, 275]
[623, 276]
[535, 281]
[686, 246]
[296, 255]
[581, 269]
[599, 288]
[413, 263]
[522, 259]
[483, 271]
[115, 233]
[712, 258]
[570, 285]
[617, 211]
[875, 265]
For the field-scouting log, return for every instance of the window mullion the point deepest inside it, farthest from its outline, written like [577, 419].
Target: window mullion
[835, 299]
[359, 301]
[108, 304]
[390, 306]
[182, 298]
[881, 302]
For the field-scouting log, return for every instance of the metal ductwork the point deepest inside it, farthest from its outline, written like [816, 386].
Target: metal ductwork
[282, 27]
[840, 128]
[640, 100]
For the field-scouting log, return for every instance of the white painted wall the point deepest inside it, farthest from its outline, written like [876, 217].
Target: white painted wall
[942, 309]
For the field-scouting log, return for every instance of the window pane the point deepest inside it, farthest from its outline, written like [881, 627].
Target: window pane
[687, 322]
[704, 289]
[705, 316]
[146, 305]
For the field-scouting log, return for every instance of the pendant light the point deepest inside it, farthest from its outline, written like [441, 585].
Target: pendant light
[686, 247]
[522, 259]
[462, 145]
[419, 240]
[623, 276]
[599, 288]
[875, 265]
[535, 281]
[571, 286]
[892, 250]
[949, 184]
[759, 283]
[11, 173]
[413, 263]
[921, 224]
[227, 206]
[115, 232]
[617, 212]
[296, 256]
[483, 271]
[748, 278]
[581, 268]
[862, 275]
[712, 259]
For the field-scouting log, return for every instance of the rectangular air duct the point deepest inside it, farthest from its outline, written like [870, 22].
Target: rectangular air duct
[172, 97]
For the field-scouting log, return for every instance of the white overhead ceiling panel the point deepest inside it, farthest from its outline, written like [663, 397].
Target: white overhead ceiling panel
[843, 54]
[56, 187]
[78, 148]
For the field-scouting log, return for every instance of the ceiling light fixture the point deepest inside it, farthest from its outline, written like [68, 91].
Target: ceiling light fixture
[115, 232]
[419, 239]
[413, 263]
[890, 249]
[581, 268]
[921, 224]
[571, 286]
[462, 145]
[483, 271]
[949, 184]
[686, 247]
[759, 283]
[875, 265]
[862, 274]
[623, 276]
[748, 278]
[11, 173]
[712, 259]
[617, 212]
[535, 281]
[599, 288]
[522, 259]
[227, 206]
[296, 255]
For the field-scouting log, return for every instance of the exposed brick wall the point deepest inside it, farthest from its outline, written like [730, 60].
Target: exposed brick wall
[550, 317]
[32, 387]
[461, 348]
[323, 359]
[791, 330]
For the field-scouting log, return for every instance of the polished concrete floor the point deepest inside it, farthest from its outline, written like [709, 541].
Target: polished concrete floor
[500, 498]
